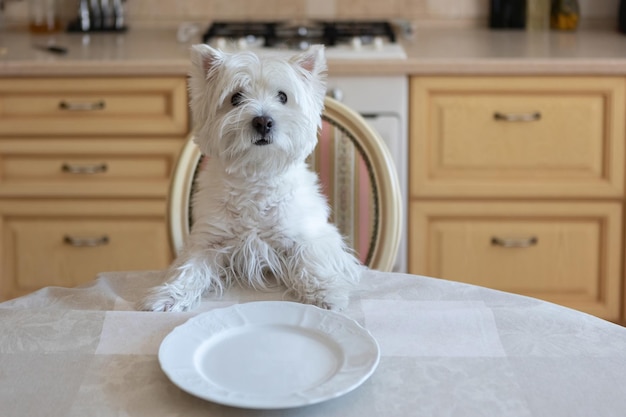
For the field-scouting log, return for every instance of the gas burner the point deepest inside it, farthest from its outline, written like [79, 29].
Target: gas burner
[343, 39]
[346, 31]
[265, 31]
[297, 35]
[294, 34]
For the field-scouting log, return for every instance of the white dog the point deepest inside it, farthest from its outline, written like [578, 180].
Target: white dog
[259, 215]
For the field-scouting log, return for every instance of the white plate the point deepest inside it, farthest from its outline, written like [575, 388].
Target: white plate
[269, 355]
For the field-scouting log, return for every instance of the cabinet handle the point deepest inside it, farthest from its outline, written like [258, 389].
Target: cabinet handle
[78, 106]
[82, 242]
[517, 117]
[514, 243]
[84, 169]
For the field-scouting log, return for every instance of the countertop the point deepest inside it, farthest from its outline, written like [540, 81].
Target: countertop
[430, 51]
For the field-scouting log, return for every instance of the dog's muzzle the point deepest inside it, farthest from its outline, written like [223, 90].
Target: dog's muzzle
[263, 126]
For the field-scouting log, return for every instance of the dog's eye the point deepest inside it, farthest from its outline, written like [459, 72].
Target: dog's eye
[236, 99]
[282, 97]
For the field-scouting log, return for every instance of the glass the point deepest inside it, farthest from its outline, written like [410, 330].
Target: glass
[43, 17]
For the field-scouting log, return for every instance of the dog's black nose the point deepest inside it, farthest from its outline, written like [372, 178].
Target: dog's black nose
[263, 124]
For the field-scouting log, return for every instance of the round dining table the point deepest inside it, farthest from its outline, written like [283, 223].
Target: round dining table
[446, 349]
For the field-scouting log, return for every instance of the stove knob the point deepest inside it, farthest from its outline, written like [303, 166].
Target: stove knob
[242, 44]
[356, 42]
[220, 43]
[379, 43]
[335, 93]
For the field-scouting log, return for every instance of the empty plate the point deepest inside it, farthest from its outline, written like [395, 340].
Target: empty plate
[269, 355]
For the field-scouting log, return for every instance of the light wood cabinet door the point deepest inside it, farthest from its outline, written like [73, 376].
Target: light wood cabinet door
[85, 166]
[567, 253]
[517, 137]
[69, 243]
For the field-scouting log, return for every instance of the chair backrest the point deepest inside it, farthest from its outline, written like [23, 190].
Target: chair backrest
[357, 175]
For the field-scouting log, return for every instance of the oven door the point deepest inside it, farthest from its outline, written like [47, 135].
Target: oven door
[383, 102]
[389, 128]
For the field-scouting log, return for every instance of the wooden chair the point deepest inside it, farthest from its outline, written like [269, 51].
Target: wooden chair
[357, 175]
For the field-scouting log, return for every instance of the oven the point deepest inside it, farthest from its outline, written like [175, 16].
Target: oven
[381, 100]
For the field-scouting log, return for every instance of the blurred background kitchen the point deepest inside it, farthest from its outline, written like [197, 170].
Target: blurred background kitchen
[505, 119]
[160, 13]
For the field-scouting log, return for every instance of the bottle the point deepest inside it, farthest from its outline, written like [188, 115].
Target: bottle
[96, 14]
[84, 17]
[43, 16]
[564, 15]
[621, 20]
[507, 14]
[108, 14]
[537, 15]
[118, 9]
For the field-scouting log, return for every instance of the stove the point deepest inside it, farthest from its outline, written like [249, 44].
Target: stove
[343, 39]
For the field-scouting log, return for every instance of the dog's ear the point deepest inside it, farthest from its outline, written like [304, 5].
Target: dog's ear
[205, 58]
[313, 60]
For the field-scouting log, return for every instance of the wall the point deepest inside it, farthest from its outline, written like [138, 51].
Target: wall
[595, 13]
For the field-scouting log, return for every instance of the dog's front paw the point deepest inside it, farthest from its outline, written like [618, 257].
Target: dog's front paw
[332, 301]
[164, 298]
[336, 299]
[157, 303]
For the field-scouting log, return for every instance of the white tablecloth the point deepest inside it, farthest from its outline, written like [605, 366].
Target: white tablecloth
[447, 349]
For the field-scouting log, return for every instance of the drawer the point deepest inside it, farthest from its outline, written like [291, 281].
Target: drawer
[567, 253]
[517, 137]
[97, 106]
[66, 168]
[61, 250]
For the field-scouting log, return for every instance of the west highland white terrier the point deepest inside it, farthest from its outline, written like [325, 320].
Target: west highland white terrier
[259, 215]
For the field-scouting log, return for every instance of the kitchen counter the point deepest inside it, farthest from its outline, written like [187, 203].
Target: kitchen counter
[516, 52]
[136, 52]
[430, 51]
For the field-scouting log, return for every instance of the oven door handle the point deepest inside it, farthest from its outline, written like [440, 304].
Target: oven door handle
[371, 115]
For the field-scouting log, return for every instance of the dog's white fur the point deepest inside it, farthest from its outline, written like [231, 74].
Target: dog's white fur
[259, 214]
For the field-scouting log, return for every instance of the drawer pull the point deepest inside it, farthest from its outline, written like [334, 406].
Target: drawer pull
[82, 242]
[517, 117]
[514, 243]
[84, 169]
[78, 106]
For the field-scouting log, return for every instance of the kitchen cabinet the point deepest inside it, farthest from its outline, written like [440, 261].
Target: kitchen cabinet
[517, 183]
[84, 174]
